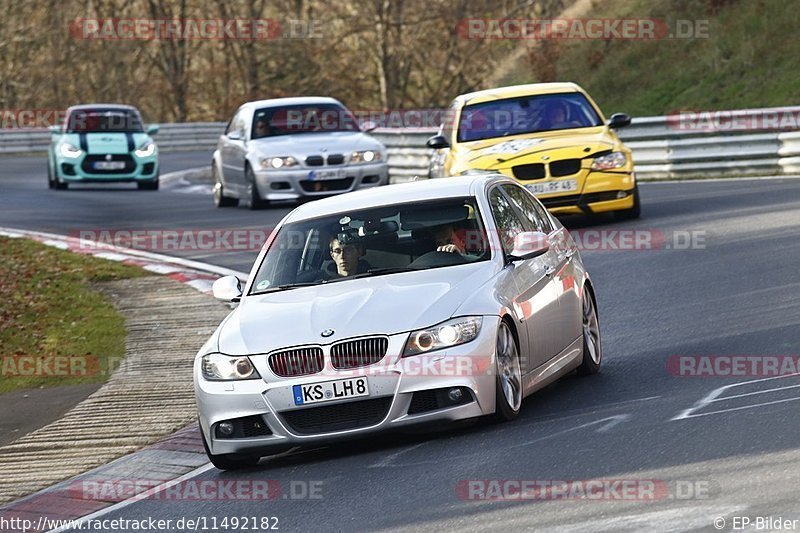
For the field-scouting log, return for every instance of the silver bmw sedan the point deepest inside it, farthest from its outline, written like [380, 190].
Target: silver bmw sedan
[418, 303]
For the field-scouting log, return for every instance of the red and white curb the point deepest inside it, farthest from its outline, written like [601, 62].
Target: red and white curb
[197, 275]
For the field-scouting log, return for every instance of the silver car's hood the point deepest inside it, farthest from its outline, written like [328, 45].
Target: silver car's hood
[380, 305]
[304, 144]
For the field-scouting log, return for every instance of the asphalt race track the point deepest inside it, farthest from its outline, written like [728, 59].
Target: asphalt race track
[721, 281]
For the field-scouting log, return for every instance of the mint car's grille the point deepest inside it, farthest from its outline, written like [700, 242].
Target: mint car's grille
[565, 167]
[297, 362]
[88, 165]
[359, 352]
[338, 417]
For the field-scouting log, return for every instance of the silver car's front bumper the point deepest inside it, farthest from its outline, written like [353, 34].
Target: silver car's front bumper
[470, 366]
[299, 183]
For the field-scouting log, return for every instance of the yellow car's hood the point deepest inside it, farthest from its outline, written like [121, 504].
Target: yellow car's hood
[493, 154]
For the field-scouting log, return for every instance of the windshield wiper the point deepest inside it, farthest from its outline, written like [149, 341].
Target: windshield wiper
[288, 286]
[381, 271]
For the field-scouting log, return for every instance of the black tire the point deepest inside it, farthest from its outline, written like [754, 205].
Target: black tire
[229, 461]
[256, 202]
[635, 211]
[60, 185]
[50, 183]
[508, 388]
[151, 185]
[592, 343]
[220, 200]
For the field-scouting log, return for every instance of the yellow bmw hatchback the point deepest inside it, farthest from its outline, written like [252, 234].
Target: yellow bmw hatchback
[551, 137]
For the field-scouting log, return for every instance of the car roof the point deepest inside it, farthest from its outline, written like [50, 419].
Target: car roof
[415, 191]
[120, 107]
[294, 100]
[513, 91]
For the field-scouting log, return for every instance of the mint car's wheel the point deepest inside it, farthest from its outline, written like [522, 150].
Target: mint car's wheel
[256, 202]
[592, 345]
[149, 185]
[229, 461]
[50, 183]
[635, 211]
[58, 184]
[509, 375]
[220, 200]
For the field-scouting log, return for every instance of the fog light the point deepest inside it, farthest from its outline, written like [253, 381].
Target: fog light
[621, 194]
[225, 428]
[454, 395]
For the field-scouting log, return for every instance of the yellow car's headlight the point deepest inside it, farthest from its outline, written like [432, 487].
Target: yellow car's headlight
[610, 161]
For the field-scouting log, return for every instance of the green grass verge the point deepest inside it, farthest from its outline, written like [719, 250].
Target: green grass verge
[55, 329]
[747, 61]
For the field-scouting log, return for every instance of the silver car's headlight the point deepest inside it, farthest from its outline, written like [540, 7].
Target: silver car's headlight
[219, 367]
[146, 150]
[365, 156]
[275, 163]
[609, 161]
[450, 333]
[70, 150]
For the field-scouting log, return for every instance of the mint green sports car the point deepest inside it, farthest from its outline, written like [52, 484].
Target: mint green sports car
[102, 143]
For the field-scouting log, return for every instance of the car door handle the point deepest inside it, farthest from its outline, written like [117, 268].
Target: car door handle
[548, 270]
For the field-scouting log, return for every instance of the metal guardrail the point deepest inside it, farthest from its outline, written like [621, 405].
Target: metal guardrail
[663, 147]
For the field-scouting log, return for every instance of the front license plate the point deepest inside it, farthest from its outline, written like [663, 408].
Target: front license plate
[547, 187]
[326, 174]
[330, 390]
[109, 165]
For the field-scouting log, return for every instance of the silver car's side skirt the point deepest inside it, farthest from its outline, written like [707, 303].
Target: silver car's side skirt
[568, 360]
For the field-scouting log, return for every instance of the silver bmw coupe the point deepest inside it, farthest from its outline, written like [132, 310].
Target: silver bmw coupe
[292, 148]
[418, 303]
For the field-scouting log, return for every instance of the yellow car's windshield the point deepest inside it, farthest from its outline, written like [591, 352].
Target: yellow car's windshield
[526, 114]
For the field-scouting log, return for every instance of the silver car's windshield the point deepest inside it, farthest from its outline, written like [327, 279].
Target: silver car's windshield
[526, 114]
[307, 118]
[374, 242]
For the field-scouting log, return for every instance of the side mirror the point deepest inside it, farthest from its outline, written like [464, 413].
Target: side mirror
[368, 125]
[152, 129]
[54, 129]
[437, 142]
[619, 120]
[227, 289]
[529, 244]
[235, 135]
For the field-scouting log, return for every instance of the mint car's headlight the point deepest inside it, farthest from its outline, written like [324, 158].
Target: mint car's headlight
[146, 150]
[451, 333]
[609, 161]
[219, 367]
[365, 156]
[278, 162]
[70, 150]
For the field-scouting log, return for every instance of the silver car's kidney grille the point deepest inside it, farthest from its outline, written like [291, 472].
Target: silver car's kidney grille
[359, 352]
[297, 362]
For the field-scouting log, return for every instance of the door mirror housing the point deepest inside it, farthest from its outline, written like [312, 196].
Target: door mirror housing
[368, 125]
[235, 135]
[54, 129]
[227, 289]
[529, 244]
[437, 142]
[152, 129]
[619, 120]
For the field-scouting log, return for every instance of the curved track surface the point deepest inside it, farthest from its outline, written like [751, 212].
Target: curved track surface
[722, 281]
